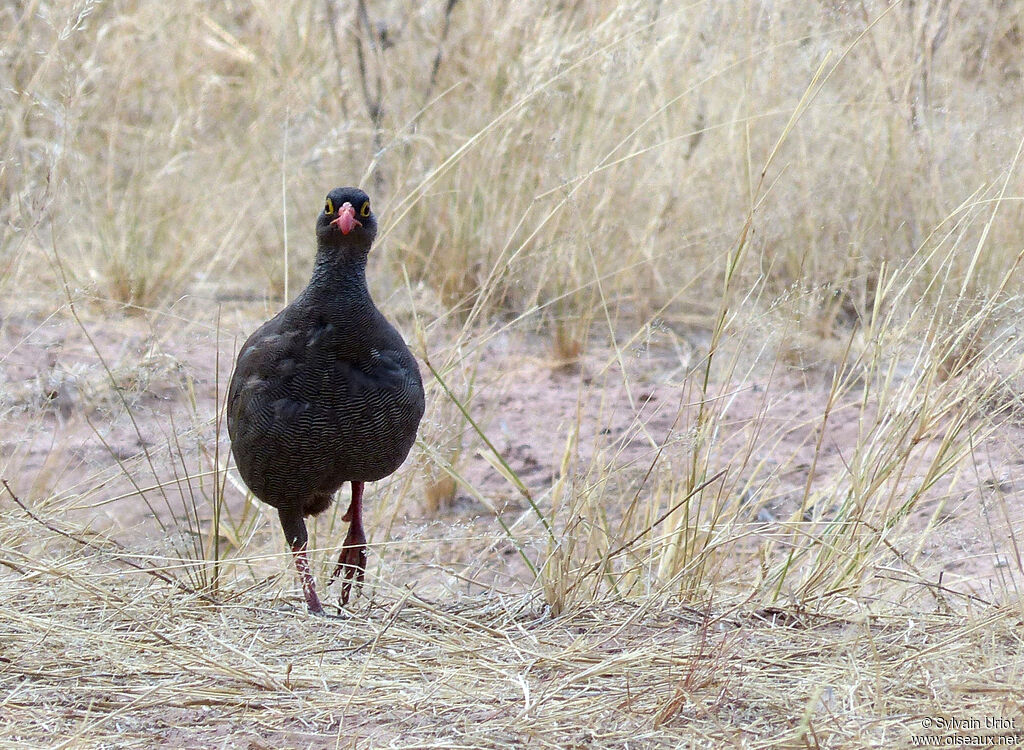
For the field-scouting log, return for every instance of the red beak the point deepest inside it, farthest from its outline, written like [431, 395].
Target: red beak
[346, 220]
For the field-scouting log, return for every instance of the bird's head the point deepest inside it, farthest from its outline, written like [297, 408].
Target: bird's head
[347, 221]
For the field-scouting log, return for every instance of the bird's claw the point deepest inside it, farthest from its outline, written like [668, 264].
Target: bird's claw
[351, 561]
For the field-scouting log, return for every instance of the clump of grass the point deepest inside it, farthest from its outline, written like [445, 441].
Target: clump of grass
[504, 190]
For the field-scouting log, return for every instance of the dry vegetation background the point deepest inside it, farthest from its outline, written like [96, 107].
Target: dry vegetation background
[717, 304]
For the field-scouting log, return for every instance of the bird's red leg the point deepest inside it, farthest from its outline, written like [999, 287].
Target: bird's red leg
[295, 532]
[352, 559]
[306, 576]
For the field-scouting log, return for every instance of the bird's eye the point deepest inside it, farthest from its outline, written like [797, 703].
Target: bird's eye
[365, 210]
[329, 207]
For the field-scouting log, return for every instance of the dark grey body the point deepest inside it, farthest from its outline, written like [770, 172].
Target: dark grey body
[324, 393]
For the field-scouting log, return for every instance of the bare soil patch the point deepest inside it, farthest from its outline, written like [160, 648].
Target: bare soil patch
[451, 643]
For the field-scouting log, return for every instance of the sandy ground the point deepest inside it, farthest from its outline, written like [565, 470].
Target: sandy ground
[74, 438]
[445, 644]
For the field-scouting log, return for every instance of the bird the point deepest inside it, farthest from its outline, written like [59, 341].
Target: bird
[325, 392]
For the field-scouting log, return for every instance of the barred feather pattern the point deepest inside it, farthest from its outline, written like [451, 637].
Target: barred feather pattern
[324, 393]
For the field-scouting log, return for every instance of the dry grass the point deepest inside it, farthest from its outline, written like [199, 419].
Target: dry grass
[717, 304]
[136, 661]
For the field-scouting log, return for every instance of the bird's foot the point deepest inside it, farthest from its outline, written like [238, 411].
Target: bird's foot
[306, 578]
[313, 603]
[352, 561]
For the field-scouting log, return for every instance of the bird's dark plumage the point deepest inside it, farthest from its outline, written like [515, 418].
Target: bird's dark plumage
[325, 392]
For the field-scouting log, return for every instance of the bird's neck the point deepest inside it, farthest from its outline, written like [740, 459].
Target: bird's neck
[341, 277]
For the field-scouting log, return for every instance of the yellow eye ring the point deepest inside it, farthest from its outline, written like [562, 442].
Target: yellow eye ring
[329, 207]
[365, 210]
